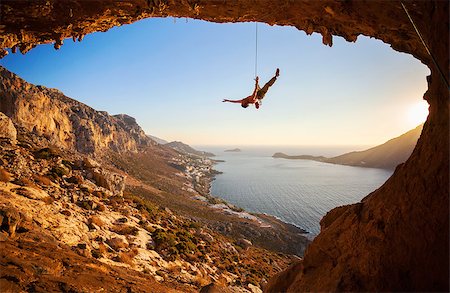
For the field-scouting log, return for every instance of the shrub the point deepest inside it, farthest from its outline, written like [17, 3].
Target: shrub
[170, 244]
[46, 153]
[194, 225]
[163, 239]
[76, 179]
[98, 193]
[186, 247]
[142, 204]
[68, 164]
[85, 189]
[86, 204]
[59, 171]
[96, 253]
[125, 230]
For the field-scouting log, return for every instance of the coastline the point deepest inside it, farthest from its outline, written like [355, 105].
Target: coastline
[215, 200]
[202, 174]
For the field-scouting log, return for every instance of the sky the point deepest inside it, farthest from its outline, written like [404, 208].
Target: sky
[172, 74]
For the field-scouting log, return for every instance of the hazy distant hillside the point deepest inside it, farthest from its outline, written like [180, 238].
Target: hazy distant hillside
[186, 149]
[157, 139]
[385, 156]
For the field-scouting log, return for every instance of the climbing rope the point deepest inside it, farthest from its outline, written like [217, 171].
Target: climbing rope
[424, 44]
[256, 50]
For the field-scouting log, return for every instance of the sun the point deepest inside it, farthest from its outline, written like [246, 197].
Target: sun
[418, 113]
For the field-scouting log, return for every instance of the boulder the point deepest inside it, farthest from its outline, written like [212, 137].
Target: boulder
[10, 218]
[7, 129]
[109, 180]
[244, 243]
[117, 243]
[90, 163]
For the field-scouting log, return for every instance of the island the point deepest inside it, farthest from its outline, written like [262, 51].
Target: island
[236, 150]
[300, 157]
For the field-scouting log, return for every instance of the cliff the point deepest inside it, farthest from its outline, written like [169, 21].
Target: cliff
[65, 122]
[386, 156]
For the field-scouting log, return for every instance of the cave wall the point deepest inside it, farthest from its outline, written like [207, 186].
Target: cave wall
[397, 238]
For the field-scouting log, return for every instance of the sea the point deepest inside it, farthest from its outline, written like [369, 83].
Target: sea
[299, 192]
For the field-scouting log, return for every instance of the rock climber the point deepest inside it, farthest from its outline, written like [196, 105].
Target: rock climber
[258, 93]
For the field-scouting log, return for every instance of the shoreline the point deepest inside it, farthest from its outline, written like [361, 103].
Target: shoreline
[239, 211]
[213, 177]
[265, 231]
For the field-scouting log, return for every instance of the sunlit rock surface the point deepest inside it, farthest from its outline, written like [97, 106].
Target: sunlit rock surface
[65, 122]
[397, 238]
[7, 129]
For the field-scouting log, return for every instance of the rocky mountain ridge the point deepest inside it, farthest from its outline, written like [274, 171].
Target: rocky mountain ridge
[65, 122]
[157, 139]
[186, 149]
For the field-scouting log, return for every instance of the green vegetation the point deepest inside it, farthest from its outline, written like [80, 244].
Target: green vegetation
[141, 204]
[59, 171]
[46, 153]
[175, 243]
[123, 229]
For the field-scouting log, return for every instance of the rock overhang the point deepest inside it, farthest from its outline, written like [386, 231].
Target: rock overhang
[29, 23]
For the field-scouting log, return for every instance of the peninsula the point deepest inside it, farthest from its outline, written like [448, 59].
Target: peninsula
[385, 156]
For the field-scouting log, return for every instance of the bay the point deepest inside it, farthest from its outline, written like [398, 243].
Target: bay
[300, 192]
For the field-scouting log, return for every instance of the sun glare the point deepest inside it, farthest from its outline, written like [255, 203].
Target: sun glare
[418, 113]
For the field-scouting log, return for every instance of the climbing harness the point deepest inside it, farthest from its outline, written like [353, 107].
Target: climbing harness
[424, 44]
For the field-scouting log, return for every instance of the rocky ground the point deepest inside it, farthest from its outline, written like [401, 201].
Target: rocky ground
[69, 224]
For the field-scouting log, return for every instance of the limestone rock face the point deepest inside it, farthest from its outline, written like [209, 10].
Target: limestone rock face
[65, 122]
[7, 129]
[26, 24]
